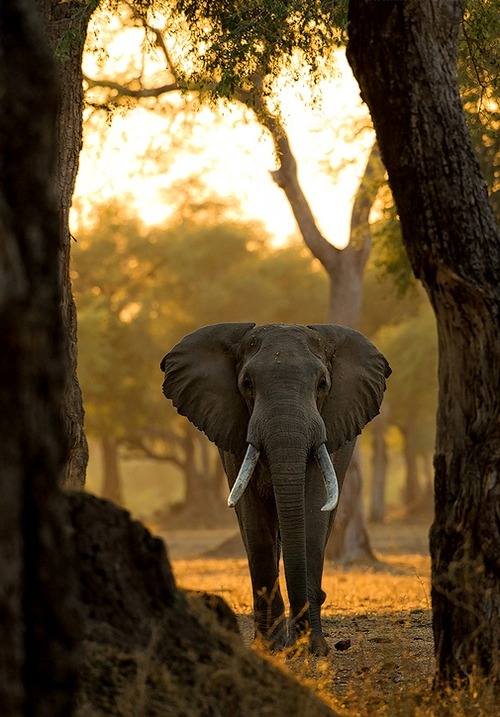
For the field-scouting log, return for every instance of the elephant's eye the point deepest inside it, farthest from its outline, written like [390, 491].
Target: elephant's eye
[323, 384]
[247, 385]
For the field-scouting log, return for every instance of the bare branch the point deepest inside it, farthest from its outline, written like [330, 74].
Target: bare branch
[159, 42]
[286, 176]
[127, 91]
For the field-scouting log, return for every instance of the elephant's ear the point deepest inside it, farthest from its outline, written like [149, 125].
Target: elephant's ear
[201, 381]
[358, 373]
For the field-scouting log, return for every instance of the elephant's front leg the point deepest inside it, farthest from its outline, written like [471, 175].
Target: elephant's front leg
[318, 524]
[259, 529]
[316, 594]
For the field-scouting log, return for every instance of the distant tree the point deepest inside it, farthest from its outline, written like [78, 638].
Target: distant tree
[349, 541]
[109, 272]
[392, 299]
[411, 348]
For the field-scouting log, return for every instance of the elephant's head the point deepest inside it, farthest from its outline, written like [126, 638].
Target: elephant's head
[287, 391]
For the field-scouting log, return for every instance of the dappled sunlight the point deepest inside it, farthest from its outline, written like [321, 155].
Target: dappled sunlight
[401, 583]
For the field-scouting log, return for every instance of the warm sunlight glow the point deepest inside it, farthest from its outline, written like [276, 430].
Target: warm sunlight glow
[146, 158]
[129, 312]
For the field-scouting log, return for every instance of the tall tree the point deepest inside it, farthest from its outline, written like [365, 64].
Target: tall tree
[40, 624]
[404, 56]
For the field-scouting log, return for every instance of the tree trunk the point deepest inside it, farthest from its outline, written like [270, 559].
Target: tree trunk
[349, 539]
[112, 487]
[40, 620]
[403, 55]
[65, 26]
[203, 505]
[379, 466]
[349, 542]
[412, 492]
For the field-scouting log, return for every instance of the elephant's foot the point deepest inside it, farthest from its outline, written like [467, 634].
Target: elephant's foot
[312, 642]
[278, 643]
[290, 639]
[273, 640]
[318, 645]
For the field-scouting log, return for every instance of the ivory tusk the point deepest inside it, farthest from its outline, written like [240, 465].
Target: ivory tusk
[243, 478]
[329, 476]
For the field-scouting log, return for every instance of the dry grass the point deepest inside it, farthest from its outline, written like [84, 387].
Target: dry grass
[403, 578]
[383, 614]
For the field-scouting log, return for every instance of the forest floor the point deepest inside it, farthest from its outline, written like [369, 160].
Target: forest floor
[377, 620]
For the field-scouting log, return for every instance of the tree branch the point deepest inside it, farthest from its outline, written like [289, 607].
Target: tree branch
[126, 91]
[369, 186]
[158, 455]
[286, 176]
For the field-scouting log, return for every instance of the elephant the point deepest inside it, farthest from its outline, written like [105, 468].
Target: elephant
[284, 404]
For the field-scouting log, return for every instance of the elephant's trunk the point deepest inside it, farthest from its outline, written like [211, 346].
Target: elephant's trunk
[287, 450]
[288, 433]
[290, 503]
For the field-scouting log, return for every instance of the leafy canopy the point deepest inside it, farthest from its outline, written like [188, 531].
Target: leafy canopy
[232, 41]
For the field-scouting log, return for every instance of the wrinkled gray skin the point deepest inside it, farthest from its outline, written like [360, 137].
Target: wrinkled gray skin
[285, 389]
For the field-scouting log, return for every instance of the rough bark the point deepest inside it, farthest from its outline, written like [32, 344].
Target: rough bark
[65, 25]
[403, 55]
[349, 541]
[40, 624]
